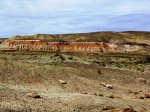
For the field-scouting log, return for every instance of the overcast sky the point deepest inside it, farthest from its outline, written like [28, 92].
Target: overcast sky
[27, 17]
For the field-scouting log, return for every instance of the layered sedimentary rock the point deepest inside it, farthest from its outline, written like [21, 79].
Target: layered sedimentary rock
[82, 47]
[37, 45]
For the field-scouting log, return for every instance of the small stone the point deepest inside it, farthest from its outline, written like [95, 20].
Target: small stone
[141, 97]
[101, 95]
[111, 96]
[62, 82]
[142, 80]
[129, 110]
[84, 93]
[134, 97]
[116, 110]
[103, 84]
[109, 86]
[122, 110]
[107, 108]
[89, 93]
[130, 91]
[135, 93]
[33, 95]
[92, 93]
[147, 95]
[99, 71]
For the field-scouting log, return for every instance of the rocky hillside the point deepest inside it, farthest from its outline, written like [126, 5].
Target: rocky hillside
[97, 42]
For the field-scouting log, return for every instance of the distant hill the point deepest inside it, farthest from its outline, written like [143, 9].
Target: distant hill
[94, 42]
[108, 37]
[2, 39]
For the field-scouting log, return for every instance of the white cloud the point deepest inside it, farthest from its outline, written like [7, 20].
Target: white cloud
[65, 16]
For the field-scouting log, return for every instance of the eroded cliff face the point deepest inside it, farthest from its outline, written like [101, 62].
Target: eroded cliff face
[37, 45]
[81, 47]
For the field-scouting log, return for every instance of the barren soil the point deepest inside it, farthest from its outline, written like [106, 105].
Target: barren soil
[84, 76]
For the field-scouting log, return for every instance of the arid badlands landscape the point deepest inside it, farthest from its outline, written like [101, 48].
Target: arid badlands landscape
[87, 72]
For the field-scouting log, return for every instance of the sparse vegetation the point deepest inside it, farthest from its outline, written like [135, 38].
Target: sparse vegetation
[67, 82]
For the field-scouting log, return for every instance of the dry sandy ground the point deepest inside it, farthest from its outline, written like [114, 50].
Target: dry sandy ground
[82, 92]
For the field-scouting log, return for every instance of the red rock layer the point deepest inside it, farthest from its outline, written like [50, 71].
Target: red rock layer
[37, 45]
[82, 47]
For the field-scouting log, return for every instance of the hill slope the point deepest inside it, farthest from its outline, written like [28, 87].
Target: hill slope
[108, 37]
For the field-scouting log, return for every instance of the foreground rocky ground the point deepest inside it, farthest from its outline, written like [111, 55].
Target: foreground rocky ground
[74, 82]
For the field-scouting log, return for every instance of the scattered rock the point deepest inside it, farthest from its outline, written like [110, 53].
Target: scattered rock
[107, 108]
[33, 95]
[147, 95]
[122, 110]
[130, 91]
[99, 71]
[62, 82]
[84, 93]
[134, 97]
[135, 93]
[115, 110]
[141, 97]
[128, 110]
[142, 80]
[103, 84]
[101, 95]
[111, 96]
[109, 86]
[90, 93]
